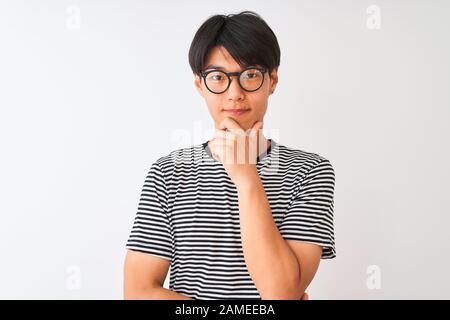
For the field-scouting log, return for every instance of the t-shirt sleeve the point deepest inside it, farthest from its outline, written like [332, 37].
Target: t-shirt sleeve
[151, 232]
[309, 217]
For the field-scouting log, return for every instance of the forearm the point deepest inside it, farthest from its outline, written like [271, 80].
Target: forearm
[156, 293]
[271, 263]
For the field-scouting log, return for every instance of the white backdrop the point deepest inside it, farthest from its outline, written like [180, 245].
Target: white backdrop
[92, 92]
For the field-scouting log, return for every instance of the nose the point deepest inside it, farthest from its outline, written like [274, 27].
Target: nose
[235, 92]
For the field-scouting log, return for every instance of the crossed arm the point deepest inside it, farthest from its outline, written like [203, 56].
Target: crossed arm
[144, 277]
[290, 264]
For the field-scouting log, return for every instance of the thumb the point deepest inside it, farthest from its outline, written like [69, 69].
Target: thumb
[257, 126]
[255, 129]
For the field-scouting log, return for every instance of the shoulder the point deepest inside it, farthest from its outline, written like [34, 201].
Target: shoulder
[180, 156]
[300, 156]
[304, 162]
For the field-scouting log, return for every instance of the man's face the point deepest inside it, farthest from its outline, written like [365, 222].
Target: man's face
[235, 97]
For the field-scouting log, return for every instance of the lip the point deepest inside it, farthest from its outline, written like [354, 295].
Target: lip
[237, 112]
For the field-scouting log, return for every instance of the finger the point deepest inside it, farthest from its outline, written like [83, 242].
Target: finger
[216, 150]
[232, 125]
[251, 144]
[223, 142]
[221, 134]
[222, 149]
[259, 124]
[255, 138]
[255, 129]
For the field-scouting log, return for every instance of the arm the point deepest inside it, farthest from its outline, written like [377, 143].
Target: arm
[144, 277]
[279, 268]
[290, 264]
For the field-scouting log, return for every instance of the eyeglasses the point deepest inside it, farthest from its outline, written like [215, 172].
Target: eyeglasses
[250, 79]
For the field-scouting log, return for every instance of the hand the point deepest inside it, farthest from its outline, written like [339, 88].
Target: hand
[236, 149]
[305, 296]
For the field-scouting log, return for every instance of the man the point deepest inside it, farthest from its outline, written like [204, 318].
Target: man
[239, 216]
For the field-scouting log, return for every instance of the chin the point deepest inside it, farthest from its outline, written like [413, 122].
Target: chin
[246, 125]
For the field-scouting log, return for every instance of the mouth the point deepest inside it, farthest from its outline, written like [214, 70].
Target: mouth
[236, 112]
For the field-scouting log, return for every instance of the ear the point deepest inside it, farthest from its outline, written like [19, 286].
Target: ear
[198, 84]
[273, 80]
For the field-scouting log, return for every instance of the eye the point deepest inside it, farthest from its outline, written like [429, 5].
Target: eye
[252, 74]
[216, 77]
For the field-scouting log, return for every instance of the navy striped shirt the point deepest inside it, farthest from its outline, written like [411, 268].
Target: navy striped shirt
[188, 213]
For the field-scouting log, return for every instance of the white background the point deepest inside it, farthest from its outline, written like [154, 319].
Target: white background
[92, 92]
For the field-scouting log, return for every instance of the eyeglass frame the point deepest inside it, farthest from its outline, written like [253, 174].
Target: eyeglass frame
[204, 74]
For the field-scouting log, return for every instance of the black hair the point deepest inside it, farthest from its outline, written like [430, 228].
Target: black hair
[245, 35]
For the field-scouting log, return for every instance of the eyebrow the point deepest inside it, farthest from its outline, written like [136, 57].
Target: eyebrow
[211, 66]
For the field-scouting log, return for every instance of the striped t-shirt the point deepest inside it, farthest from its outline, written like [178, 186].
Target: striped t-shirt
[188, 213]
